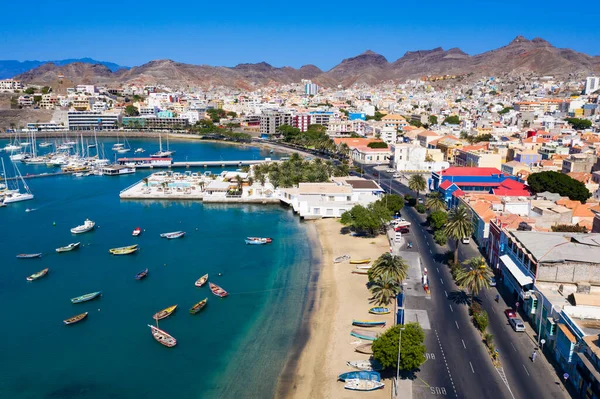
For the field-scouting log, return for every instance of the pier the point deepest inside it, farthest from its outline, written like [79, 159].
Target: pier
[206, 164]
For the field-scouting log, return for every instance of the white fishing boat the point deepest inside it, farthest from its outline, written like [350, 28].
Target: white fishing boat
[84, 228]
[12, 147]
[16, 195]
[45, 144]
[139, 150]
[117, 146]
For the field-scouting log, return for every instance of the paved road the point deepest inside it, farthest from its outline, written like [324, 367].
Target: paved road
[468, 362]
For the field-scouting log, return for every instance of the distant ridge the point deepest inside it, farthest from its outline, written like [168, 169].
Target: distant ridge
[521, 55]
[10, 68]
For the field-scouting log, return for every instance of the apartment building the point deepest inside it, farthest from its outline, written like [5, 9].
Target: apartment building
[92, 120]
[579, 163]
[10, 85]
[154, 123]
[592, 83]
[271, 120]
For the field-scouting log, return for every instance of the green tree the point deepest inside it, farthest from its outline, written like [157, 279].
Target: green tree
[433, 120]
[558, 183]
[360, 218]
[459, 226]
[384, 289]
[45, 90]
[417, 183]
[452, 120]
[437, 219]
[415, 123]
[420, 208]
[476, 277]
[29, 90]
[289, 132]
[131, 110]
[505, 110]
[393, 202]
[412, 347]
[440, 237]
[435, 202]
[392, 266]
[579, 124]
[377, 144]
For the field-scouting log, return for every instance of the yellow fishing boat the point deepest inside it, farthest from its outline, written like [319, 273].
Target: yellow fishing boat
[360, 261]
[124, 250]
[164, 313]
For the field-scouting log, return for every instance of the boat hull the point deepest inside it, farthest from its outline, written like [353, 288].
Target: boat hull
[75, 319]
[163, 314]
[367, 349]
[68, 248]
[37, 275]
[379, 310]
[218, 291]
[29, 256]
[163, 337]
[364, 334]
[141, 274]
[86, 297]
[368, 323]
[360, 375]
[201, 281]
[199, 306]
[360, 262]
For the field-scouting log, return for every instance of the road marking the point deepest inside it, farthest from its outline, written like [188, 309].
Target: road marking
[457, 324]
[427, 243]
[446, 293]
[493, 310]
[451, 308]
[437, 269]
[464, 346]
[526, 369]
[513, 346]
[430, 251]
[446, 363]
[472, 368]
[441, 280]
[502, 374]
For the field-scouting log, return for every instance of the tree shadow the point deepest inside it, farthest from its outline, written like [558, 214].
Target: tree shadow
[460, 297]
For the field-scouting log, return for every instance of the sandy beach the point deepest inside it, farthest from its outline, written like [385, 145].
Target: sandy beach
[340, 297]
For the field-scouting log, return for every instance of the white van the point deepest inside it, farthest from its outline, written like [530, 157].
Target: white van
[466, 240]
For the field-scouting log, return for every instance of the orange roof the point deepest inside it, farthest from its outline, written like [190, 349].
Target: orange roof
[364, 148]
[428, 133]
[354, 142]
[392, 117]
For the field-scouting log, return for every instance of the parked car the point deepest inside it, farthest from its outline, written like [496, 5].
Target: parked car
[466, 240]
[397, 175]
[420, 200]
[492, 281]
[517, 324]
[510, 313]
[402, 229]
[390, 170]
[375, 173]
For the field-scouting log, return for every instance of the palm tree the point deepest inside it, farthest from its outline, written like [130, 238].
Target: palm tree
[392, 265]
[435, 202]
[417, 183]
[459, 226]
[476, 278]
[239, 181]
[384, 289]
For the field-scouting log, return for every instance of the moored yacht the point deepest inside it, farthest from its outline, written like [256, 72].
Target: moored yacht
[84, 228]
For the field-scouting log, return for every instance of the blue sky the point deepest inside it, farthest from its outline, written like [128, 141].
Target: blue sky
[282, 33]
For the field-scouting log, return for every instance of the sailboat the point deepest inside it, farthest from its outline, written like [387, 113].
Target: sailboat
[161, 153]
[16, 195]
[123, 147]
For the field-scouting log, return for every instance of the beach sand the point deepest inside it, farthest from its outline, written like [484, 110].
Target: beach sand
[340, 297]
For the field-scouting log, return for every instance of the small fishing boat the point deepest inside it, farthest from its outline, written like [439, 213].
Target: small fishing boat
[360, 271]
[199, 306]
[379, 310]
[141, 274]
[69, 247]
[29, 256]
[139, 150]
[262, 240]
[37, 275]
[341, 259]
[360, 375]
[86, 297]
[172, 235]
[201, 281]
[163, 337]
[218, 291]
[363, 267]
[361, 333]
[88, 225]
[360, 261]
[368, 323]
[76, 319]
[367, 349]
[363, 385]
[366, 365]
[124, 250]
[136, 232]
[255, 242]
[164, 313]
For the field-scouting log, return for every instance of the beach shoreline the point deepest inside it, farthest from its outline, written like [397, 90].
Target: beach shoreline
[335, 297]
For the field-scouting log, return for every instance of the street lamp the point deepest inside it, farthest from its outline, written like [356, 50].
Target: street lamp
[398, 366]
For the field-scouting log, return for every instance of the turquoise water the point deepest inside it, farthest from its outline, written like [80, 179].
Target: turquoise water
[235, 347]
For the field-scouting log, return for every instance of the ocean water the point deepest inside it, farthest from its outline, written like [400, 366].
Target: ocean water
[235, 347]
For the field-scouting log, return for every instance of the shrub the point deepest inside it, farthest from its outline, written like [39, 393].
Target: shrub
[440, 237]
[489, 340]
[481, 320]
[420, 208]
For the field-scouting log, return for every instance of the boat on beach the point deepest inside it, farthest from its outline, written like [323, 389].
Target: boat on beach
[29, 256]
[172, 235]
[360, 271]
[362, 333]
[360, 375]
[37, 275]
[379, 310]
[69, 247]
[141, 274]
[86, 297]
[367, 348]
[341, 258]
[164, 313]
[163, 337]
[363, 385]
[201, 281]
[218, 291]
[368, 323]
[88, 225]
[366, 365]
[363, 267]
[136, 232]
[199, 306]
[76, 319]
[360, 261]
[124, 250]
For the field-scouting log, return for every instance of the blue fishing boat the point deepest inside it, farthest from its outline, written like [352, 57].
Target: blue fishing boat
[361, 333]
[368, 323]
[86, 297]
[363, 385]
[360, 375]
[379, 310]
[141, 274]
[29, 256]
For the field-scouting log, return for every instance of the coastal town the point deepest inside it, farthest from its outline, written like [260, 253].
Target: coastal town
[457, 217]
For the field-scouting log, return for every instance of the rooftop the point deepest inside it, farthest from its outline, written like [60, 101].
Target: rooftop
[470, 171]
[561, 247]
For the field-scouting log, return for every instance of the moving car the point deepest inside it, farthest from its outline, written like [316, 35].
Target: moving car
[390, 170]
[492, 281]
[466, 240]
[510, 313]
[420, 200]
[517, 324]
[397, 175]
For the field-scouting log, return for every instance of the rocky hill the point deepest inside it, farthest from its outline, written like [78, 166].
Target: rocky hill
[520, 55]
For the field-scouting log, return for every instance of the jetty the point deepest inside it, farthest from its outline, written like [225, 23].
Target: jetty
[152, 163]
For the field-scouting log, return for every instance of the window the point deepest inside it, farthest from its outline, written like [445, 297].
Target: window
[331, 198]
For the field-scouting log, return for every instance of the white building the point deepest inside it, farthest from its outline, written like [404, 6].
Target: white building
[411, 158]
[92, 120]
[85, 89]
[10, 85]
[371, 156]
[192, 116]
[389, 134]
[321, 200]
[592, 84]
[311, 89]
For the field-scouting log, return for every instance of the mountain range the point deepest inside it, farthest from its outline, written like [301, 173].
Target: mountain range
[520, 55]
[11, 68]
